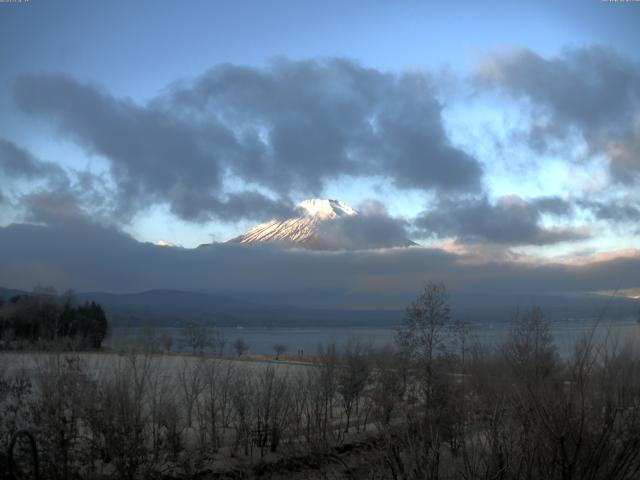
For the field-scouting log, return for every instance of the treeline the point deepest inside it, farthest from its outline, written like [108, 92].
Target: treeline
[43, 318]
[438, 405]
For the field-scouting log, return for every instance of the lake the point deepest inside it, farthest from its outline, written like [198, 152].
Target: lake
[305, 340]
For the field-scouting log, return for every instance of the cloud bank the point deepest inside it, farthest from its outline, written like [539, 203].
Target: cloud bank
[289, 127]
[239, 142]
[591, 90]
[80, 254]
[510, 221]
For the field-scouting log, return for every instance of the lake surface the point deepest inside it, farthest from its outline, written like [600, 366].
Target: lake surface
[301, 340]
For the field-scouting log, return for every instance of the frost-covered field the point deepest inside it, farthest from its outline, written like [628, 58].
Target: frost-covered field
[167, 413]
[97, 364]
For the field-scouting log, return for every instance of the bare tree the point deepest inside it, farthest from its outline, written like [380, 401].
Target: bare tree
[16, 388]
[119, 419]
[461, 334]
[279, 349]
[218, 342]
[57, 411]
[353, 376]
[148, 339]
[196, 336]
[240, 346]
[299, 402]
[214, 407]
[166, 423]
[271, 408]
[166, 341]
[242, 403]
[530, 349]
[424, 332]
[389, 384]
[322, 388]
[190, 382]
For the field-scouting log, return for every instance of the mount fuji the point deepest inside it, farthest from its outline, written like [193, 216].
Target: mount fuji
[329, 225]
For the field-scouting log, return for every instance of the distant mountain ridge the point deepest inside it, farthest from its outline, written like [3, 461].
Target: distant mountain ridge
[7, 293]
[173, 307]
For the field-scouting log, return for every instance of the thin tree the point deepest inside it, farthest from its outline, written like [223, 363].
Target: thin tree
[279, 349]
[424, 333]
[353, 376]
[196, 336]
[240, 346]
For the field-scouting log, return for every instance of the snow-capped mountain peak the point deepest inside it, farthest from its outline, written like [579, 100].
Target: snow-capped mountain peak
[164, 243]
[302, 229]
[325, 209]
[322, 224]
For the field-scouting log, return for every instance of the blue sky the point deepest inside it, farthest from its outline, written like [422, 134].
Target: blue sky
[542, 175]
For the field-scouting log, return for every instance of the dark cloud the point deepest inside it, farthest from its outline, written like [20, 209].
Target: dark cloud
[53, 194]
[154, 156]
[510, 221]
[310, 121]
[16, 162]
[593, 90]
[287, 128]
[83, 255]
[372, 228]
[552, 205]
[53, 207]
[95, 257]
[619, 211]
[250, 204]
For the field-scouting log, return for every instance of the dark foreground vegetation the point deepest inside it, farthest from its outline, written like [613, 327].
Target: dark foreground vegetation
[437, 406]
[43, 319]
